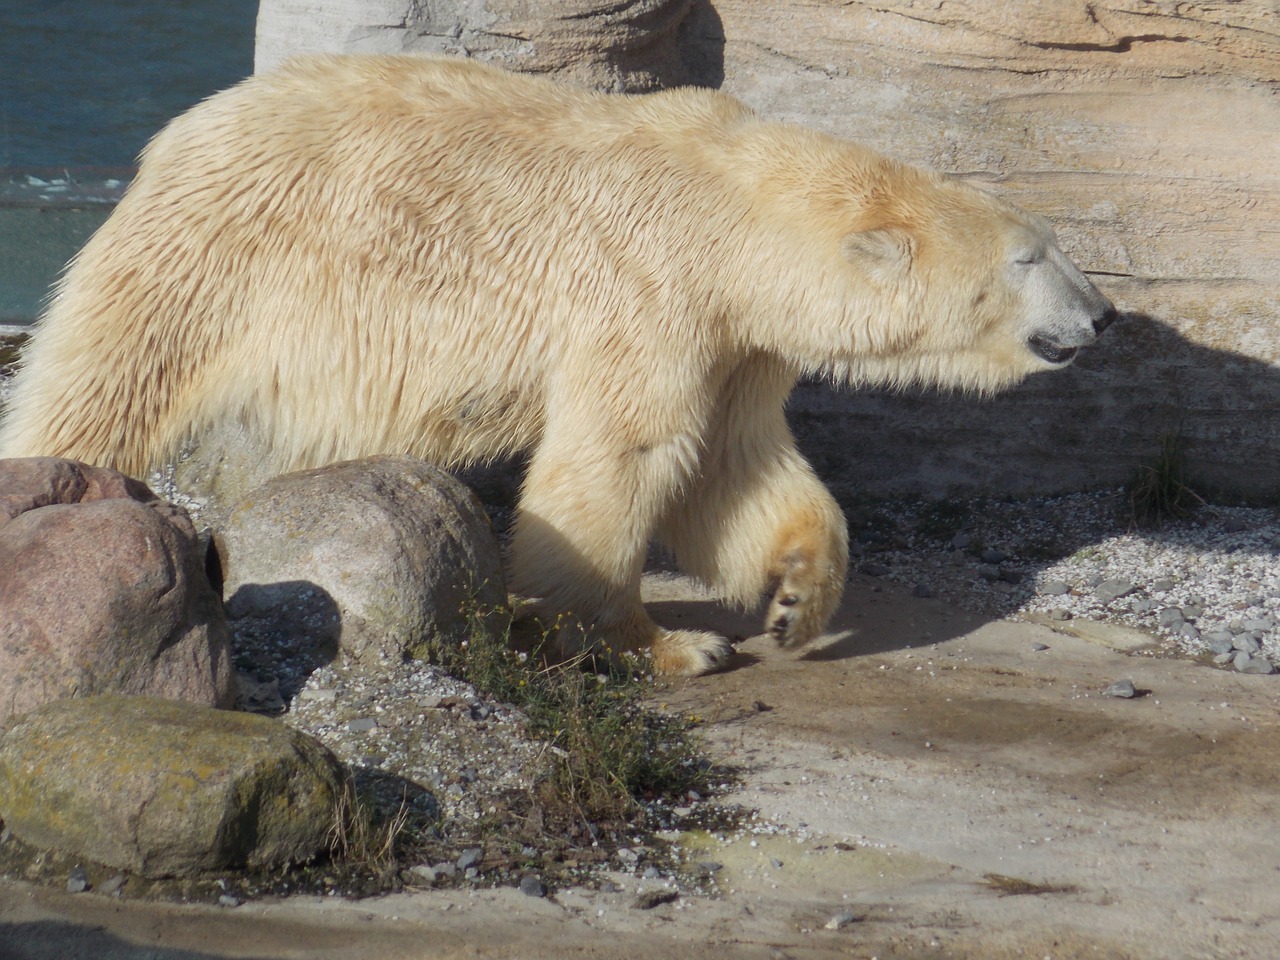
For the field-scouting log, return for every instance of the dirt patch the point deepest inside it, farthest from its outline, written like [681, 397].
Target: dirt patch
[897, 770]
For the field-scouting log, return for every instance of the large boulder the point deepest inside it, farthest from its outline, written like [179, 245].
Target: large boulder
[167, 789]
[370, 559]
[102, 590]
[632, 45]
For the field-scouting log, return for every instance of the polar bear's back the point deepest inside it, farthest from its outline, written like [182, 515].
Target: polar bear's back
[368, 254]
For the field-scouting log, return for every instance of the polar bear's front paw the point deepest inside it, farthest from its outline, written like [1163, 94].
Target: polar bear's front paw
[793, 617]
[690, 653]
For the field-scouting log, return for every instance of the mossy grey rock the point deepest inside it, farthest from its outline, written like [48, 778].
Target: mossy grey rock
[372, 559]
[102, 590]
[162, 788]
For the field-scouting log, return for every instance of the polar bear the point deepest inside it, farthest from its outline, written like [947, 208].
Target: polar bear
[378, 254]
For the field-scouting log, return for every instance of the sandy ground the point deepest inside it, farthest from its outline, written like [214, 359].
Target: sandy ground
[918, 756]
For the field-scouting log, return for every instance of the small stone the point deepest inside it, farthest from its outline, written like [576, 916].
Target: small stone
[1170, 617]
[989, 572]
[654, 898]
[874, 569]
[1188, 631]
[1038, 647]
[993, 555]
[960, 541]
[1223, 659]
[1054, 588]
[1009, 575]
[227, 900]
[1142, 605]
[1263, 625]
[469, 858]
[481, 711]
[532, 886]
[1124, 689]
[841, 920]
[1160, 586]
[362, 725]
[1235, 525]
[1191, 611]
[1059, 613]
[1236, 626]
[322, 694]
[628, 856]
[709, 867]
[1111, 590]
[1247, 664]
[682, 811]
[112, 886]
[1219, 643]
[651, 873]
[78, 882]
[922, 590]
[1245, 643]
[777, 864]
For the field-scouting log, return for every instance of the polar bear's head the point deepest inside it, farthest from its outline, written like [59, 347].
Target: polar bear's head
[959, 288]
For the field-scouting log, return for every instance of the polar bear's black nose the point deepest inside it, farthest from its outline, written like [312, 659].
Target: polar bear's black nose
[1108, 317]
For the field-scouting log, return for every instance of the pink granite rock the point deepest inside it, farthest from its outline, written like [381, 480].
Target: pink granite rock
[102, 590]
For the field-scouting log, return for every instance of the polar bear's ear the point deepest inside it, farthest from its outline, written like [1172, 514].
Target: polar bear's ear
[882, 252]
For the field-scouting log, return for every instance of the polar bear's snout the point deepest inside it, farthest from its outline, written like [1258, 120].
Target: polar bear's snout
[1068, 311]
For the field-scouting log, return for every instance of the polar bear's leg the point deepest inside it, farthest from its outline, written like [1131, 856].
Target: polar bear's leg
[583, 529]
[758, 519]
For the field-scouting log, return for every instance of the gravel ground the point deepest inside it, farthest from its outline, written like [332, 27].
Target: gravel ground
[1207, 585]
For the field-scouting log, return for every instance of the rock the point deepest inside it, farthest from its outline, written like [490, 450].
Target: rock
[469, 858]
[1191, 611]
[1189, 632]
[1244, 642]
[362, 725]
[1060, 613]
[1218, 643]
[78, 882]
[1010, 576]
[638, 45]
[1162, 585]
[1039, 647]
[375, 559]
[112, 886]
[1111, 590]
[1123, 689]
[104, 591]
[1244, 663]
[532, 886]
[654, 898]
[992, 555]
[161, 788]
[988, 572]
[1262, 625]
[1054, 588]
[874, 569]
[922, 590]
[841, 920]
[961, 540]
[1170, 618]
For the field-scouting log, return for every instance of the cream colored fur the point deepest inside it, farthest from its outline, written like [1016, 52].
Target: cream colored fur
[358, 255]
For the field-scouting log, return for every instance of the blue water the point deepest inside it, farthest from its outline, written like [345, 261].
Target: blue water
[85, 85]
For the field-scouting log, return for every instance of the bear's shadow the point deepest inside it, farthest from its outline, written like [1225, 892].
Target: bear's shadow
[1141, 384]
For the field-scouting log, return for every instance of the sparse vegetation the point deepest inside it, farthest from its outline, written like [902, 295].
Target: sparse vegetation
[1158, 491]
[605, 748]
